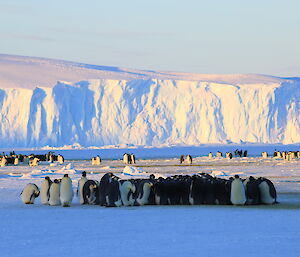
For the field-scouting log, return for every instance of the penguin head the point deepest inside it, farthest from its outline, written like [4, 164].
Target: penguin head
[47, 178]
[152, 176]
[236, 176]
[66, 175]
[251, 178]
[56, 181]
[84, 174]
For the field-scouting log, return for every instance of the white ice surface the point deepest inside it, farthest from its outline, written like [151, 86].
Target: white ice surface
[38, 230]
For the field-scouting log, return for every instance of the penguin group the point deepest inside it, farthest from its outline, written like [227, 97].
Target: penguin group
[185, 190]
[229, 155]
[113, 191]
[188, 159]
[57, 192]
[128, 158]
[31, 160]
[291, 155]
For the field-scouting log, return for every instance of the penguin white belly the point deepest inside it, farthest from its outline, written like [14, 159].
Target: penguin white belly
[28, 194]
[238, 194]
[265, 195]
[54, 194]
[44, 192]
[146, 193]
[80, 189]
[125, 189]
[126, 159]
[66, 192]
[157, 200]
[191, 199]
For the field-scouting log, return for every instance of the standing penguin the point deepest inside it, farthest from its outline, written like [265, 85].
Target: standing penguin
[45, 190]
[267, 191]
[54, 193]
[60, 159]
[181, 159]
[90, 192]
[29, 193]
[144, 192]
[81, 183]
[237, 193]
[127, 190]
[126, 158]
[252, 191]
[189, 159]
[66, 191]
[132, 158]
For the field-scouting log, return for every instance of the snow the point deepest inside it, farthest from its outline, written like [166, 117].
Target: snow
[50, 103]
[39, 230]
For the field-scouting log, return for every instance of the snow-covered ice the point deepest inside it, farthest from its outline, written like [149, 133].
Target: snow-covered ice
[38, 230]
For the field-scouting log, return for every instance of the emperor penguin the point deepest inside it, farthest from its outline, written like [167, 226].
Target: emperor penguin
[132, 158]
[90, 192]
[237, 193]
[252, 191]
[45, 190]
[126, 158]
[81, 183]
[54, 198]
[267, 191]
[66, 191]
[127, 190]
[145, 193]
[16, 161]
[60, 159]
[189, 159]
[29, 193]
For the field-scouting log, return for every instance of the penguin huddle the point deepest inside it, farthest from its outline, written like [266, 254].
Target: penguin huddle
[112, 191]
[185, 190]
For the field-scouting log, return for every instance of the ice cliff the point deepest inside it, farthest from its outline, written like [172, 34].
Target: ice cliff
[150, 110]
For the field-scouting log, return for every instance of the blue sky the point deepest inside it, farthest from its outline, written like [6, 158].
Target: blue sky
[193, 36]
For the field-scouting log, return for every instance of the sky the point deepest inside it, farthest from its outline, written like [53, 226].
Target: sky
[257, 36]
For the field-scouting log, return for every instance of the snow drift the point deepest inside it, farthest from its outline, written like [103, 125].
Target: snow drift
[142, 107]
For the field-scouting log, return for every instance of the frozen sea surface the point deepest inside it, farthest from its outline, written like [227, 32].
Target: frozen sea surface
[38, 230]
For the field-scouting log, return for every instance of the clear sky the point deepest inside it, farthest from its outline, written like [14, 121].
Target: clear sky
[257, 36]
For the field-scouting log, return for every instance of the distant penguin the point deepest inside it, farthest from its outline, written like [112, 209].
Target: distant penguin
[264, 155]
[181, 160]
[126, 158]
[267, 191]
[16, 161]
[132, 158]
[66, 191]
[229, 155]
[189, 159]
[60, 159]
[219, 154]
[90, 192]
[29, 193]
[45, 190]
[97, 160]
[210, 155]
[81, 183]
[237, 193]
[54, 193]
